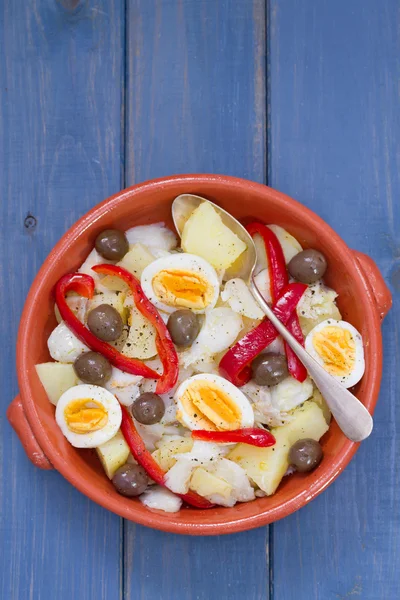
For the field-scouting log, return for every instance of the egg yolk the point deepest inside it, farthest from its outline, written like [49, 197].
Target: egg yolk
[85, 415]
[210, 407]
[182, 288]
[337, 349]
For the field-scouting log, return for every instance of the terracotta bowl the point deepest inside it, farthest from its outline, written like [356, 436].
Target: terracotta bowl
[363, 300]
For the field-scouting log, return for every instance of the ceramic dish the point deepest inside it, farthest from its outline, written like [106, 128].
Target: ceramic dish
[363, 300]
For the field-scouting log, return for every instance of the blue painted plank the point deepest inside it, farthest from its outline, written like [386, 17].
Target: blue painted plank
[174, 567]
[60, 153]
[195, 103]
[334, 131]
[196, 88]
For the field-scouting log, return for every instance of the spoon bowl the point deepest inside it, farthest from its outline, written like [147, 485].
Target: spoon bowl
[243, 267]
[350, 414]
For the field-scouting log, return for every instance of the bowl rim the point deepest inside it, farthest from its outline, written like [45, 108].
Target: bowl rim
[157, 519]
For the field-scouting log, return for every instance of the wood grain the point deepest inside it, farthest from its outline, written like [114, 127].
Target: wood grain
[334, 131]
[73, 131]
[195, 88]
[195, 103]
[60, 153]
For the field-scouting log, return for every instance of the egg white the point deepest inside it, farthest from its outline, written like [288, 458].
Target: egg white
[240, 400]
[359, 365]
[106, 399]
[185, 262]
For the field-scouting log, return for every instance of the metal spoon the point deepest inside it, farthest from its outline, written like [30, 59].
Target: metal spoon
[350, 414]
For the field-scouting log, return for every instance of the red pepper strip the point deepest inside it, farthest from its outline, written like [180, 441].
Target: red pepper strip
[84, 285]
[277, 266]
[251, 435]
[295, 366]
[278, 280]
[165, 347]
[234, 365]
[152, 468]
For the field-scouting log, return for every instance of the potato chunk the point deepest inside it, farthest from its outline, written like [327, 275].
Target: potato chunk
[165, 454]
[141, 340]
[207, 484]
[205, 235]
[113, 454]
[56, 378]
[267, 466]
[136, 260]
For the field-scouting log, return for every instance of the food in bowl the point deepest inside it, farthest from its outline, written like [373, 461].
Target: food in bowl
[169, 368]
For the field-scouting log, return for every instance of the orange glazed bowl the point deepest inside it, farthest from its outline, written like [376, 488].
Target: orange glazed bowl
[363, 300]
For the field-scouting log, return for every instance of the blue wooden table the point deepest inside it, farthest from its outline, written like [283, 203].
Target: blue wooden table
[96, 95]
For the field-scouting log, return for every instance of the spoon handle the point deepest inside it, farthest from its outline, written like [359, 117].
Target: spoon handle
[350, 414]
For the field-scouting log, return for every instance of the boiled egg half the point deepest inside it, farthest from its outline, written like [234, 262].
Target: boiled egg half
[208, 401]
[181, 281]
[338, 347]
[88, 415]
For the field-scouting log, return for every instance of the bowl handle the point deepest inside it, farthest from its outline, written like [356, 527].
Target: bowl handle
[375, 282]
[19, 422]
